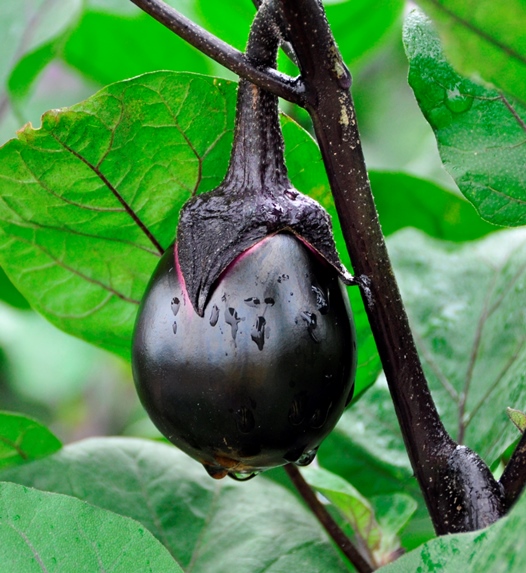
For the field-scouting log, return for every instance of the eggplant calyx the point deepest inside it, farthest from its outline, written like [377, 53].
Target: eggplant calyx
[217, 227]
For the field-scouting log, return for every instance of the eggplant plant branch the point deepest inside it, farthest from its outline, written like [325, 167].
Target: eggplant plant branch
[266, 77]
[460, 491]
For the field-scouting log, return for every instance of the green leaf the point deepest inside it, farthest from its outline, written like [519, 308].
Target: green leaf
[366, 447]
[480, 133]
[393, 513]
[379, 540]
[484, 39]
[207, 525]
[113, 43]
[23, 440]
[500, 548]
[466, 308]
[406, 201]
[43, 531]
[90, 199]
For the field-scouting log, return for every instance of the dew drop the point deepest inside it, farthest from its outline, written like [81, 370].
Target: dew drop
[322, 302]
[306, 458]
[174, 327]
[217, 472]
[232, 318]
[242, 476]
[252, 301]
[297, 411]
[214, 315]
[176, 303]
[245, 420]
[319, 417]
[258, 332]
[457, 102]
[270, 301]
[312, 322]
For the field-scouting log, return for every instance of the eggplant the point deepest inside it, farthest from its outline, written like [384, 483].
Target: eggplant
[244, 350]
[262, 378]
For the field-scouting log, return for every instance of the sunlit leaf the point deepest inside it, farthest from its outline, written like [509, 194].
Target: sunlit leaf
[43, 531]
[518, 418]
[90, 200]
[207, 525]
[481, 134]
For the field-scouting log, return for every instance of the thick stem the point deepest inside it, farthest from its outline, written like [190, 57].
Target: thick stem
[266, 77]
[325, 518]
[433, 454]
[257, 162]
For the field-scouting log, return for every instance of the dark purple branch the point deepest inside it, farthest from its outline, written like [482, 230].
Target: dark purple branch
[268, 78]
[325, 518]
[513, 479]
[442, 468]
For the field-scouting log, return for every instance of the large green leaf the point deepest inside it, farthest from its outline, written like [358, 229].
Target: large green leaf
[484, 38]
[89, 200]
[23, 440]
[43, 531]
[480, 133]
[500, 548]
[466, 307]
[467, 312]
[207, 525]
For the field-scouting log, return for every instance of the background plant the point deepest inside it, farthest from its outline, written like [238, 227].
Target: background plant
[463, 292]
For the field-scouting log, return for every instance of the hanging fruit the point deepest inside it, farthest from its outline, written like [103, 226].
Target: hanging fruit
[244, 350]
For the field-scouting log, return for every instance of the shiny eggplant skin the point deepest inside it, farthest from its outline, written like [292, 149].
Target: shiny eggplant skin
[264, 376]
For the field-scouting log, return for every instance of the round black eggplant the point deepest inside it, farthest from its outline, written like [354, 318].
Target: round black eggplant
[262, 378]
